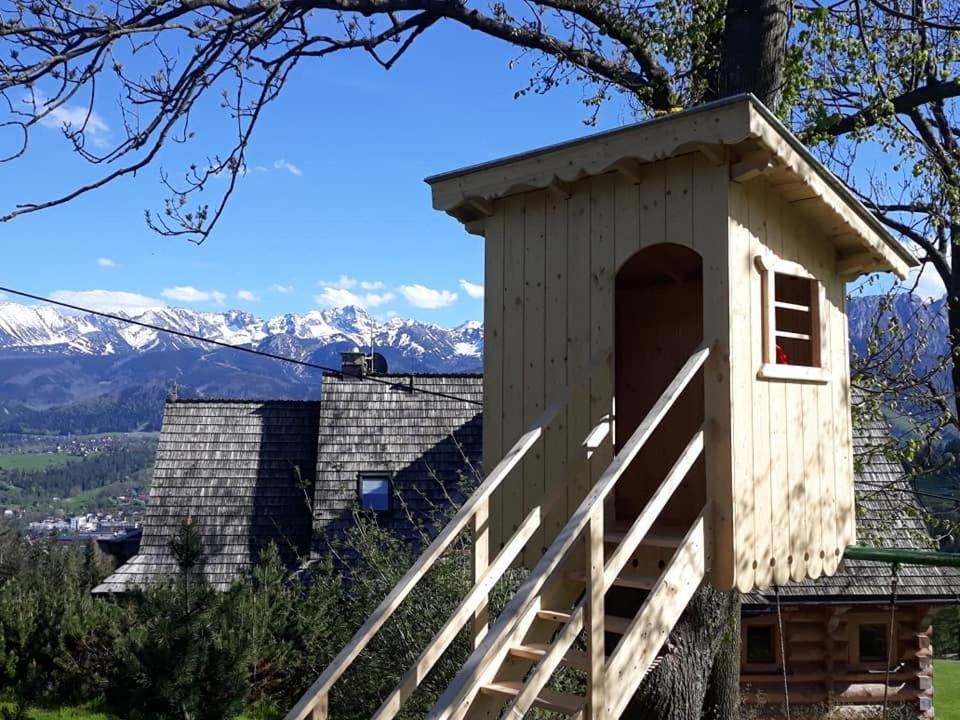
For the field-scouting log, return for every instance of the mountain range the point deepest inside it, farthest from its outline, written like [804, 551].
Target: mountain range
[75, 373]
[82, 373]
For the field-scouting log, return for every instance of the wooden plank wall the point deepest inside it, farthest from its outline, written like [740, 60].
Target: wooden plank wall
[822, 666]
[792, 457]
[551, 262]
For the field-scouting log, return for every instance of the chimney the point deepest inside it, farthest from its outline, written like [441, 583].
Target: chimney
[353, 364]
[357, 364]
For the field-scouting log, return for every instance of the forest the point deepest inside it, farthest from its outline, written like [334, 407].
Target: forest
[127, 462]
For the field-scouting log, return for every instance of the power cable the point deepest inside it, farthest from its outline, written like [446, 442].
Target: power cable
[179, 333]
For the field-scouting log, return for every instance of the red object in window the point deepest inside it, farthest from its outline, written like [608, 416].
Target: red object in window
[782, 358]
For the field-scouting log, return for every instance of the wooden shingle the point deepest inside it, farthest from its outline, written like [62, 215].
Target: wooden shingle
[235, 469]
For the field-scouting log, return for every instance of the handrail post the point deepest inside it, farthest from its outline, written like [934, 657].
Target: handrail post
[595, 613]
[480, 527]
[321, 710]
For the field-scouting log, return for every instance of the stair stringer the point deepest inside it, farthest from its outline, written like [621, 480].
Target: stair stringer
[551, 589]
[658, 615]
[503, 666]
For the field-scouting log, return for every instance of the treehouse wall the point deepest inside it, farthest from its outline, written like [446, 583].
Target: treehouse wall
[550, 264]
[792, 457]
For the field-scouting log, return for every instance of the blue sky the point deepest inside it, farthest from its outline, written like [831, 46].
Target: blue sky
[334, 210]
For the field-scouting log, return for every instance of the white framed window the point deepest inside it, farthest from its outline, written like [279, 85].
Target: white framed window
[374, 492]
[793, 303]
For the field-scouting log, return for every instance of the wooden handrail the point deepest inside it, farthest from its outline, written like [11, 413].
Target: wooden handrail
[316, 694]
[446, 635]
[676, 584]
[455, 701]
[641, 526]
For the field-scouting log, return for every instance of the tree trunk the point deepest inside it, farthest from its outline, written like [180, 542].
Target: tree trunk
[754, 49]
[699, 673]
[952, 287]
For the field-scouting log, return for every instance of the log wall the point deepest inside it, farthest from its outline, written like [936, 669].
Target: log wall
[823, 665]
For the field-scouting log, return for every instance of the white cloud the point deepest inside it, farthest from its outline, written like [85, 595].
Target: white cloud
[372, 285]
[426, 298]
[339, 297]
[106, 262]
[288, 166]
[929, 285]
[75, 117]
[107, 300]
[187, 294]
[473, 290]
[282, 289]
[344, 282]
[247, 296]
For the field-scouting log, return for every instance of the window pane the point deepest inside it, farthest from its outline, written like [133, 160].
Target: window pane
[873, 642]
[760, 645]
[375, 493]
[795, 315]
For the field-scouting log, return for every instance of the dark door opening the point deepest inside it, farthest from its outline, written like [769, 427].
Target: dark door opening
[658, 325]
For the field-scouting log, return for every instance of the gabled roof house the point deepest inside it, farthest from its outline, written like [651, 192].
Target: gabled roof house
[251, 473]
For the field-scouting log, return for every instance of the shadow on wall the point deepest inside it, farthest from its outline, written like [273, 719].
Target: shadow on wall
[425, 491]
[278, 509]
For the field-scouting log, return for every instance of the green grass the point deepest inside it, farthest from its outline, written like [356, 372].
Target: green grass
[946, 694]
[81, 712]
[34, 461]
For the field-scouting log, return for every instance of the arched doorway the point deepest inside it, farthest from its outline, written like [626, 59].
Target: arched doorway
[658, 324]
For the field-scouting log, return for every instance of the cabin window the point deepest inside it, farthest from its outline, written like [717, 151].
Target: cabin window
[374, 491]
[760, 647]
[792, 337]
[872, 643]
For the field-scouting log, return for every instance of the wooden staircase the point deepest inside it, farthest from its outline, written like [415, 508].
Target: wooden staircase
[561, 600]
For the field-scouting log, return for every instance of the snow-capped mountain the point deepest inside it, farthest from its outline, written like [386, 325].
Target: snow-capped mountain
[410, 342]
[62, 372]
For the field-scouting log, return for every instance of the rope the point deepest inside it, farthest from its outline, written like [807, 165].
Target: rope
[783, 655]
[891, 644]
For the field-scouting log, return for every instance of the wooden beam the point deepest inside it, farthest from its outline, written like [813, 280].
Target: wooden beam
[481, 205]
[716, 154]
[751, 166]
[476, 227]
[564, 188]
[595, 631]
[856, 264]
[630, 168]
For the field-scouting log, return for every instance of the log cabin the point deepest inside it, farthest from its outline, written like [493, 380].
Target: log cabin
[667, 398]
[836, 629]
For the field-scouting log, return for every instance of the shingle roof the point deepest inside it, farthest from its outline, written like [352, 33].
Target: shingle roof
[886, 516]
[426, 444]
[233, 468]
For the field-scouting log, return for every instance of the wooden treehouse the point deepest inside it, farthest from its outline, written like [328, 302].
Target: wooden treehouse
[666, 398]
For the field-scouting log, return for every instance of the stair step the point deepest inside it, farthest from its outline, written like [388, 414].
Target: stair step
[625, 579]
[612, 623]
[576, 659]
[665, 534]
[547, 699]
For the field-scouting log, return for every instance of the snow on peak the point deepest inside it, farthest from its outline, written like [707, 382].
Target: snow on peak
[45, 328]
